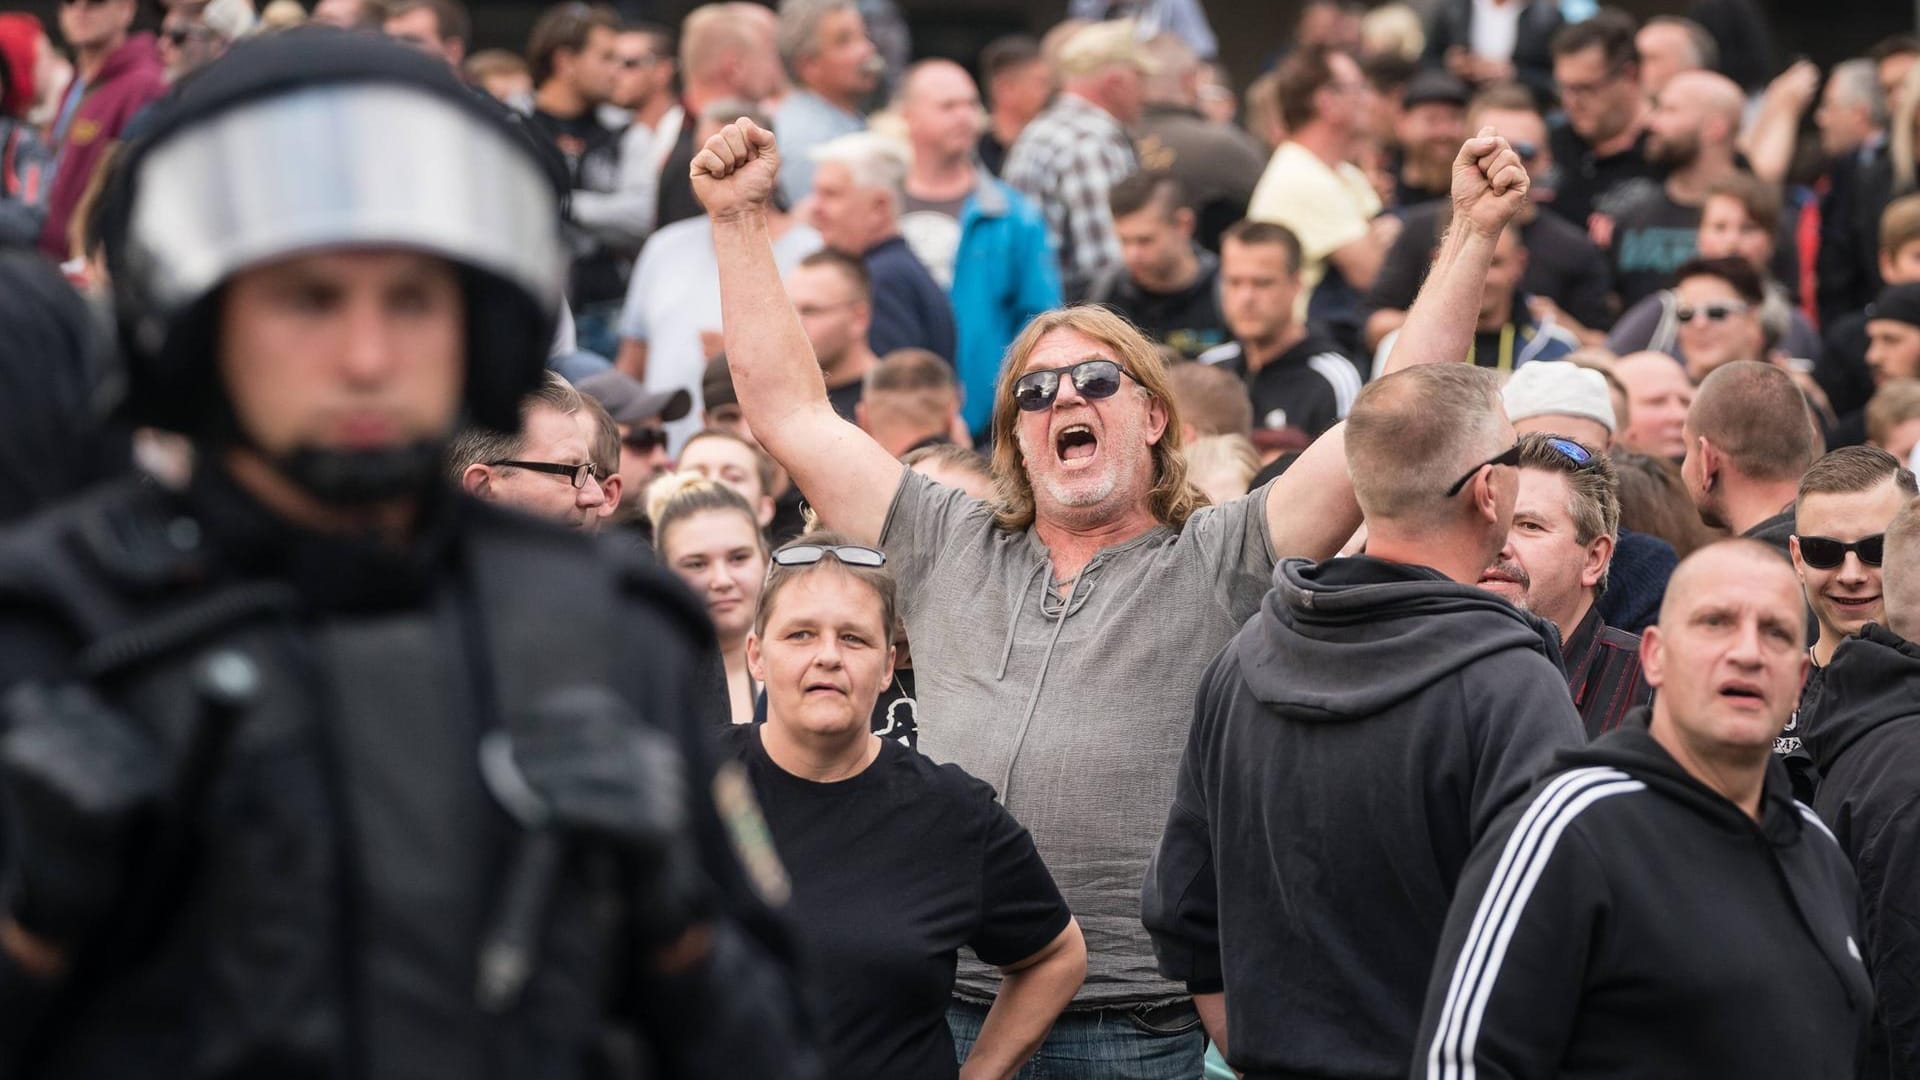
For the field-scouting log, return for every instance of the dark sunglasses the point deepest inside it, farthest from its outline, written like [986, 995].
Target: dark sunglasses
[1526, 151]
[849, 554]
[644, 439]
[1825, 553]
[575, 474]
[1572, 451]
[1092, 379]
[1718, 311]
[1509, 456]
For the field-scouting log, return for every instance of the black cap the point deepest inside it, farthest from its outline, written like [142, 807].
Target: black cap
[1898, 303]
[1429, 87]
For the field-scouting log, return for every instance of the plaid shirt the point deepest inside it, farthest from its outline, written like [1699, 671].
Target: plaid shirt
[1067, 161]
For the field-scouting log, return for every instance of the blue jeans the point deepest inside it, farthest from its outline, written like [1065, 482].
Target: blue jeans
[1103, 1044]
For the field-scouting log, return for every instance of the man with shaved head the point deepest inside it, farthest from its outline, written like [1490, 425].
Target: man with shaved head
[1866, 744]
[1658, 396]
[1660, 905]
[984, 242]
[1651, 228]
[1749, 440]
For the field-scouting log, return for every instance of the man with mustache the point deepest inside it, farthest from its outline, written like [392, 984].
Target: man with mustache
[1566, 522]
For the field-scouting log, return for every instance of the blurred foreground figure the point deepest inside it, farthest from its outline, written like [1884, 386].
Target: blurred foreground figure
[317, 768]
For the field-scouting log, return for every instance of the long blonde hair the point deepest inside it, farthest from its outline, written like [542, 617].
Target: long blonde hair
[1173, 499]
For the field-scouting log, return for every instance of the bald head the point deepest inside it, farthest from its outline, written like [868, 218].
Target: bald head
[1696, 111]
[941, 108]
[1704, 571]
[1706, 93]
[1658, 395]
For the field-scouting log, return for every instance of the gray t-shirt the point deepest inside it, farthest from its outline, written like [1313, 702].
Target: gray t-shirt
[1079, 723]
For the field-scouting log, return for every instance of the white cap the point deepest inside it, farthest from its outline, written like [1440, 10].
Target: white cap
[1559, 388]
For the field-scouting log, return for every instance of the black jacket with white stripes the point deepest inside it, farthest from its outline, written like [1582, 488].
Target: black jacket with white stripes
[1311, 386]
[1624, 920]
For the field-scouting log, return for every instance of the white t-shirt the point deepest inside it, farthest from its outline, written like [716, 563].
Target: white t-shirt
[674, 294]
[1496, 27]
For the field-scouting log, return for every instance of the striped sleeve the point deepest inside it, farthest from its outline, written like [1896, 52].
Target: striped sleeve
[1507, 984]
[1342, 376]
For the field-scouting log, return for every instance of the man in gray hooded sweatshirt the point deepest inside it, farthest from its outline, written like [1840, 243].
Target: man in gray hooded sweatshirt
[1350, 746]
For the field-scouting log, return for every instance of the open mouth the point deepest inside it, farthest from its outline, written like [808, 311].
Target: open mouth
[1854, 603]
[1745, 694]
[1075, 442]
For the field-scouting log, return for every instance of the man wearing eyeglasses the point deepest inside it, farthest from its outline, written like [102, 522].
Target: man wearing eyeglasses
[545, 469]
[1060, 630]
[1601, 144]
[114, 77]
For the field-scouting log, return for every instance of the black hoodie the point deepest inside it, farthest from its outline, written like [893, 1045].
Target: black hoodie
[1348, 748]
[1864, 735]
[1625, 920]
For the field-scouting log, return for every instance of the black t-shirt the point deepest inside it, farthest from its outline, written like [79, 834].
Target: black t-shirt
[893, 872]
[592, 153]
[1647, 235]
[843, 398]
[1562, 265]
[1582, 180]
[677, 201]
[993, 152]
[1188, 320]
[1310, 386]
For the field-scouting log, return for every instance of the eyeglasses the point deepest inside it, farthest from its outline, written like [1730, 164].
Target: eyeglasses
[1093, 379]
[1525, 150]
[848, 554]
[1825, 553]
[1717, 311]
[578, 475]
[1573, 89]
[646, 439]
[1509, 456]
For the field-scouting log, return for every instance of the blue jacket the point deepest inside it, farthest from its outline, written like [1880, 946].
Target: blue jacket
[1004, 274]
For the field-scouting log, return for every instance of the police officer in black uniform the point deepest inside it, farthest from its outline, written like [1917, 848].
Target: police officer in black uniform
[315, 768]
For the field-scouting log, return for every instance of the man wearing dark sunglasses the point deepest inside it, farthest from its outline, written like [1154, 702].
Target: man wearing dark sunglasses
[114, 76]
[641, 416]
[1846, 501]
[1070, 620]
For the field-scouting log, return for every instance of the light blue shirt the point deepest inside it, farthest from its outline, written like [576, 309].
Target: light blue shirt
[804, 121]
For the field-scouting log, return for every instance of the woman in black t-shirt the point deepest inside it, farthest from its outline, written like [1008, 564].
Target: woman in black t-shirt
[895, 862]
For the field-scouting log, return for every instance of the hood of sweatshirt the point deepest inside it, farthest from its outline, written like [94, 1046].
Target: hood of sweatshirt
[1873, 680]
[1349, 638]
[1632, 749]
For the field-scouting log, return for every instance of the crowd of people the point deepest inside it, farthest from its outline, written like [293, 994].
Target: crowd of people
[738, 550]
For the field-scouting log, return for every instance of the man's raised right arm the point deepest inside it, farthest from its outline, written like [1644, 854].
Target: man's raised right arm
[846, 477]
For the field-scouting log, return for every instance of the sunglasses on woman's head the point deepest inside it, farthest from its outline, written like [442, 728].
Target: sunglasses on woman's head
[1092, 379]
[848, 554]
[1826, 553]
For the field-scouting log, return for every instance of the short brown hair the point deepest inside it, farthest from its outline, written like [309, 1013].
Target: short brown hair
[565, 27]
[1507, 97]
[478, 445]
[450, 19]
[914, 382]
[1611, 31]
[1593, 499]
[850, 268]
[1250, 232]
[1212, 399]
[1412, 432]
[1757, 417]
[1653, 500]
[1304, 73]
[878, 578]
[1173, 499]
[1851, 470]
[1149, 187]
[1761, 200]
[1733, 270]
[1899, 224]
[1894, 403]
